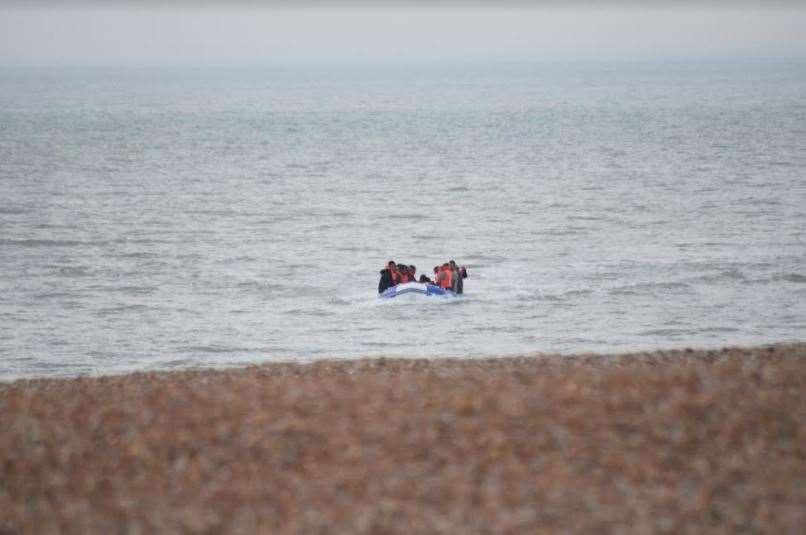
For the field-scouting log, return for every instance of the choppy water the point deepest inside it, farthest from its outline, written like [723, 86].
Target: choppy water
[154, 219]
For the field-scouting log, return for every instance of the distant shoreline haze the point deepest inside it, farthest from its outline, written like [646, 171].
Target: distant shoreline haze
[210, 34]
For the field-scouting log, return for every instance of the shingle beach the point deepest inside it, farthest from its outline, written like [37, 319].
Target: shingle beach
[675, 441]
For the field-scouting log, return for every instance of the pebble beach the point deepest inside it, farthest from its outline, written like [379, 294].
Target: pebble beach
[672, 441]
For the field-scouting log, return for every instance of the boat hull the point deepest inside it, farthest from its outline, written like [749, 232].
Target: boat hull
[415, 288]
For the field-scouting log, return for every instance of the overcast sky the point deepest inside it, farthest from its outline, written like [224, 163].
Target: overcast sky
[81, 34]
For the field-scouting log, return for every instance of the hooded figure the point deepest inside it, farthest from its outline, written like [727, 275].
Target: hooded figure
[388, 276]
[458, 274]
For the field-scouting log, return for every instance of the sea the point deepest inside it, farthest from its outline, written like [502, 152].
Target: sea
[161, 218]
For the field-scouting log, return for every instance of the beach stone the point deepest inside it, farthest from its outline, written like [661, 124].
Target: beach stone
[681, 441]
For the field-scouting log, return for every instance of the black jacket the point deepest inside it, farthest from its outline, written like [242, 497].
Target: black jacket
[386, 281]
[460, 285]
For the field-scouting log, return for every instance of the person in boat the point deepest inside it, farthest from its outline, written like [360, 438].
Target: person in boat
[454, 275]
[425, 280]
[413, 273]
[389, 277]
[457, 276]
[462, 276]
[412, 277]
[403, 273]
[444, 278]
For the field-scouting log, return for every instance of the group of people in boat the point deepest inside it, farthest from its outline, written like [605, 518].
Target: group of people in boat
[448, 276]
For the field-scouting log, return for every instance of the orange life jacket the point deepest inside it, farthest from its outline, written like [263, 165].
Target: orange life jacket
[445, 278]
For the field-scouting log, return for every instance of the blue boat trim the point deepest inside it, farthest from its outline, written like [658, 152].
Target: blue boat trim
[415, 287]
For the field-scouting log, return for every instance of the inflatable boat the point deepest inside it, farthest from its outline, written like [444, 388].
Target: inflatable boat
[416, 288]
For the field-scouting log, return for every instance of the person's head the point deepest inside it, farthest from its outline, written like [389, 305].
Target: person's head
[436, 269]
[403, 268]
[423, 278]
[391, 265]
[412, 269]
[446, 266]
[452, 264]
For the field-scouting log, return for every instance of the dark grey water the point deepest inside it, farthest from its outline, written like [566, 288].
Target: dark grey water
[154, 219]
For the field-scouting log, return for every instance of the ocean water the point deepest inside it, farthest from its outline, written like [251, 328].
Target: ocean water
[163, 218]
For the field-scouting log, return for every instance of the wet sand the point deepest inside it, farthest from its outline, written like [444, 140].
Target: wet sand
[706, 441]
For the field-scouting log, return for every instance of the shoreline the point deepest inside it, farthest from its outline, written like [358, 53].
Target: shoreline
[647, 354]
[656, 441]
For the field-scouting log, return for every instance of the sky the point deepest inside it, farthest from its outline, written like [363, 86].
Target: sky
[145, 34]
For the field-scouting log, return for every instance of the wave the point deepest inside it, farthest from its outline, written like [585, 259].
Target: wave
[339, 301]
[792, 277]
[211, 349]
[351, 249]
[13, 210]
[53, 295]
[253, 285]
[666, 332]
[341, 214]
[240, 259]
[224, 212]
[107, 311]
[706, 330]
[177, 363]
[755, 201]
[53, 365]
[483, 258]
[555, 297]
[140, 255]
[408, 217]
[595, 218]
[568, 231]
[316, 312]
[731, 274]
[219, 349]
[72, 271]
[505, 329]
[586, 341]
[424, 237]
[296, 291]
[384, 344]
[650, 288]
[143, 241]
[134, 290]
[50, 243]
